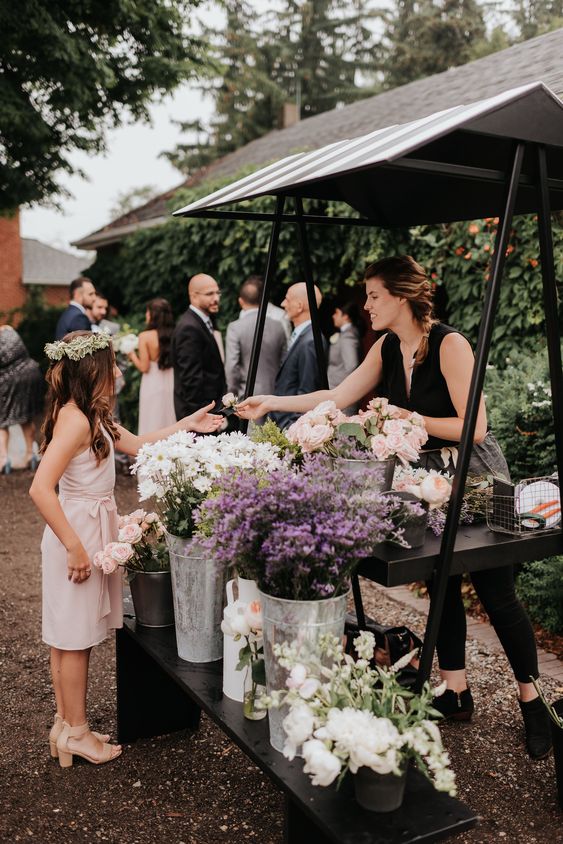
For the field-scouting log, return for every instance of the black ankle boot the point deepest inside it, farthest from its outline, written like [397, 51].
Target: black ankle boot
[537, 727]
[454, 706]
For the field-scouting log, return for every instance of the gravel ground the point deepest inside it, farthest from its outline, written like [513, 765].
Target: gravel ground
[199, 788]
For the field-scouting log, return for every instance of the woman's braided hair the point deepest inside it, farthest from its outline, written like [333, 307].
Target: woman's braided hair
[406, 279]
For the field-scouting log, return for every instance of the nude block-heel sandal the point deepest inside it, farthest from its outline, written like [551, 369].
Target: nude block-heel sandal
[57, 729]
[68, 752]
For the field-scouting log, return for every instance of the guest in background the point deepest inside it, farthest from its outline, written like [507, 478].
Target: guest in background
[299, 371]
[154, 360]
[74, 317]
[199, 375]
[240, 335]
[273, 311]
[344, 353]
[21, 396]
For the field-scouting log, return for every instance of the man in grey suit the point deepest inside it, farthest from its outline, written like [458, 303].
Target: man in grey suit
[238, 344]
[299, 372]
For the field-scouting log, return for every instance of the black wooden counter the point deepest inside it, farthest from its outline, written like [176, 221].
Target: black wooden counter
[476, 548]
[158, 693]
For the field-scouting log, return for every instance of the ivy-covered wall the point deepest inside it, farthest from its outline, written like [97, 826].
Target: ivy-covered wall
[158, 262]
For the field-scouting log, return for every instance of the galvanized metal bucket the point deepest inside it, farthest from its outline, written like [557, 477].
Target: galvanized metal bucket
[198, 587]
[300, 623]
[373, 475]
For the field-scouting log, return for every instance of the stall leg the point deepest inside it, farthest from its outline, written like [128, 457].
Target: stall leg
[149, 703]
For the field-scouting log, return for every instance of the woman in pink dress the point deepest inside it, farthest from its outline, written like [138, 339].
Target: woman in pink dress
[156, 396]
[81, 603]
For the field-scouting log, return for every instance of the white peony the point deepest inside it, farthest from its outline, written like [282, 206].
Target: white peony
[320, 762]
[435, 489]
[298, 725]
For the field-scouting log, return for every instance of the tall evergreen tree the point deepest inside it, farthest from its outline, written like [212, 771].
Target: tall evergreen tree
[535, 17]
[429, 36]
[309, 52]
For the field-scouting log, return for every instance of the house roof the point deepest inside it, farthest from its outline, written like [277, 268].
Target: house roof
[446, 166]
[536, 59]
[44, 264]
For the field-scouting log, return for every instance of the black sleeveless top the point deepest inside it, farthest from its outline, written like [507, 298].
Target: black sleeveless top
[429, 394]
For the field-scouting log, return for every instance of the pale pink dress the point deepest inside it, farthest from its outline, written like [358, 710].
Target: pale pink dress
[156, 399]
[79, 615]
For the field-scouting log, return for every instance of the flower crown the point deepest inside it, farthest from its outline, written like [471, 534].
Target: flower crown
[78, 347]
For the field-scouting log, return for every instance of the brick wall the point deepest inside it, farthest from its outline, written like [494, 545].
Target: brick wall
[55, 294]
[12, 291]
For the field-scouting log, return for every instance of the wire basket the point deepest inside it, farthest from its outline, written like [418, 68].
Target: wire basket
[524, 509]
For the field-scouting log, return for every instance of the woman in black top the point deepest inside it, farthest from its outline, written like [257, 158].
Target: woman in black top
[422, 365]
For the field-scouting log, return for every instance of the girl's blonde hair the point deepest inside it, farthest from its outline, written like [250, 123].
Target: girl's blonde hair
[406, 279]
[90, 384]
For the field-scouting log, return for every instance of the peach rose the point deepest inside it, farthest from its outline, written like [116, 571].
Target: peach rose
[253, 615]
[435, 489]
[379, 447]
[120, 552]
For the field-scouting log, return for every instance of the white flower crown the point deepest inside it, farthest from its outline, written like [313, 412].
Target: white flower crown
[78, 347]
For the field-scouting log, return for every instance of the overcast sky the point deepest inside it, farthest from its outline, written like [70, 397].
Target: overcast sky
[132, 161]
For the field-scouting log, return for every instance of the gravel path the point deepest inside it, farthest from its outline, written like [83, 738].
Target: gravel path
[199, 788]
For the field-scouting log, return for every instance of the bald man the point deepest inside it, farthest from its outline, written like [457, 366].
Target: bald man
[199, 376]
[299, 372]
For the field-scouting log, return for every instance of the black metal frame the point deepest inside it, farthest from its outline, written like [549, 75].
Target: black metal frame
[512, 180]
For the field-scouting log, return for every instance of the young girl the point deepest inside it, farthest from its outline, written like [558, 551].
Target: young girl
[422, 365]
[80, 603]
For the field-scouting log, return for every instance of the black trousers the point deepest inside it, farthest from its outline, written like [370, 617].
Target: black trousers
[495, 589]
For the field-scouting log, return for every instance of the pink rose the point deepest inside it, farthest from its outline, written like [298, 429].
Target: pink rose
[379, 447]
[150, 518]
[393, 426]
[309, 437]
[378, 405]
[97, 559]
[120, 552]
[395, 443]
[109, 566]
[253, 615]
[131, 533]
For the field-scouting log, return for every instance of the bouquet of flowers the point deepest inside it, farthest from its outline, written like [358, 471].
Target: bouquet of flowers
[182, 470]
[351, 715]
[140, 546]
[380, 432]
[298, 534]
[124, 342]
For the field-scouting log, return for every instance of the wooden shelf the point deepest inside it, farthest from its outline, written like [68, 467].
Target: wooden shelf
[476, 548]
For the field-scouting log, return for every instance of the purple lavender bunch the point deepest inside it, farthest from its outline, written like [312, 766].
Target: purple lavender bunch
[299, 535]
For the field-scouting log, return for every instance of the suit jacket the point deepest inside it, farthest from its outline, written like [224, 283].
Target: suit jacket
[298, 374]
[343, 358]
[72, 319]
[199, 376]
[238, 347]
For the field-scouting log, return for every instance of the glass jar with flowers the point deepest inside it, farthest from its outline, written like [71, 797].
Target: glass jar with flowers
[352, 717]
[243, 623]
[180, 473]
[300, 535]
[143, 554]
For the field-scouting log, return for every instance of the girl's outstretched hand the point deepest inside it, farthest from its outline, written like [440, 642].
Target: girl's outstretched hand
[254, 407]
[203, 422]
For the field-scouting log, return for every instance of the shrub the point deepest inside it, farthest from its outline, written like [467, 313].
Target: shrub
[540, 586]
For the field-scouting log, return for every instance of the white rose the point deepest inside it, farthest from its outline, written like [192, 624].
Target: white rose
[253, 615]
[229, 400]
[320, 762]
[128, 343]
[435, 489]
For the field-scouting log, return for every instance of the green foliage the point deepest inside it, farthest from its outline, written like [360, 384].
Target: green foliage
[69, 71]
[128, 399]
[306, 52]
[427, 37]
[37, 323]
[520, 414]
[540, 586]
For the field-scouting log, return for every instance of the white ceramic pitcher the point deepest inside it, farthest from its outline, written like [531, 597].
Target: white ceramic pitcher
[233, 680]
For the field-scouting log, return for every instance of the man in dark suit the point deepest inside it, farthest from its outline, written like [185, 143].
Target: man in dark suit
[82, 294]
[199, 375]
[299, 372]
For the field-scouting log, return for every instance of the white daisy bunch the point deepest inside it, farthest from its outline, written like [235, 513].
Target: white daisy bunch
[180, 470]
[353, 715]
